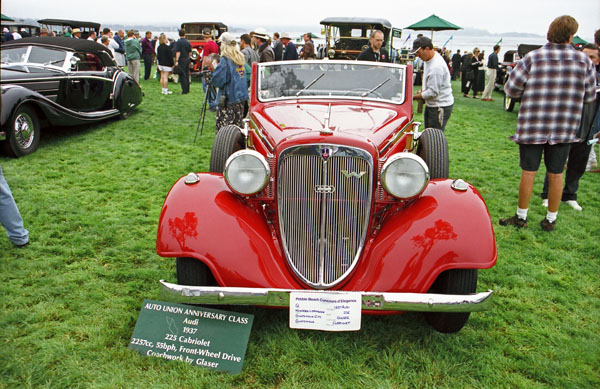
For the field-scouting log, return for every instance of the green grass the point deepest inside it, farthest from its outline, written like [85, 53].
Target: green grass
[91, 197]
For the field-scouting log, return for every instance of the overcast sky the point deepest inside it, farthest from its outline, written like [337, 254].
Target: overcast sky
[531, 16]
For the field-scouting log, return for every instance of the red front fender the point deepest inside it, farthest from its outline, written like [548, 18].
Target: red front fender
[441, 229]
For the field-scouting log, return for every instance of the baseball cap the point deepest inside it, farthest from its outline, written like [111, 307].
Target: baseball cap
[421, 42]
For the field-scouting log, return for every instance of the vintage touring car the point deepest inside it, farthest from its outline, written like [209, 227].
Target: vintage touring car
[330, 187]
[57, 82]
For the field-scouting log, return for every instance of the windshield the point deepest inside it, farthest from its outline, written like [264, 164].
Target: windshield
[34, 55]
[332, 79]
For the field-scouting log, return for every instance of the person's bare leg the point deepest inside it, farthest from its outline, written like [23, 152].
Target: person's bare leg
[555, 187]
[526, 188]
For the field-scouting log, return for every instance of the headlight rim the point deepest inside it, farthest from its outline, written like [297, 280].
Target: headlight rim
[404, 155]
[258, 156]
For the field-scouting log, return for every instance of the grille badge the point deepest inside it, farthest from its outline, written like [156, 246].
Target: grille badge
[353, 174]
[325, 153]
[324, 188]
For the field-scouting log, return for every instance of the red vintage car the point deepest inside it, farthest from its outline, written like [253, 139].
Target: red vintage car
[194, 34]
[330, 188]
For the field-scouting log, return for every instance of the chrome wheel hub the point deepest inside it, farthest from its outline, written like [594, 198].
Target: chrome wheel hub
[24, 130]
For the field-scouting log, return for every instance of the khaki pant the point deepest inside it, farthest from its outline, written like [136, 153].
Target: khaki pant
[133, 66]
[489, 84]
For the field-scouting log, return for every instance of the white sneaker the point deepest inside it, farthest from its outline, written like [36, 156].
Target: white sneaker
[545, 203]
[574, 205]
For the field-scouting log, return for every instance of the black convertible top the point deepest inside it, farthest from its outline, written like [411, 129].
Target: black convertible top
[71, 23]
[345, 20]
[72, 44]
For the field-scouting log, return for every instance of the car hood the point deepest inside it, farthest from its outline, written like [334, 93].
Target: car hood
[374, 121]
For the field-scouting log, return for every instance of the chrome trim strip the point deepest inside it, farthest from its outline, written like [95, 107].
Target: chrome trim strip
[395, 138]
[262, 136]
[371, 301]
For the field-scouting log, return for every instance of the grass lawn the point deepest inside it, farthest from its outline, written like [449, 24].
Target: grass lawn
[91, 197]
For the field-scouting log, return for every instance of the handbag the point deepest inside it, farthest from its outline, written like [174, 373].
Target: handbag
[470, 75]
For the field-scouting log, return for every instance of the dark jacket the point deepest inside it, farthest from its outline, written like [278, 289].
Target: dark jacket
[278, 50]
[290, 53]
[231, 81]
[493, 61]
[164, 55]
[456, 61]
[119, 41]
[266, 53]
[369, 55]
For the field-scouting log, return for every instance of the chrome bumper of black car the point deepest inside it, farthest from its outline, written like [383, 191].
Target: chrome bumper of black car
[371, 301]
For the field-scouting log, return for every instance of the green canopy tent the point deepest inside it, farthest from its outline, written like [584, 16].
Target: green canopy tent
[433, 23]
[578, 41]
[6, 18]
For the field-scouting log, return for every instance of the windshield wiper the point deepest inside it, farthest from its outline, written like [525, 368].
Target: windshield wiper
[374, 89]
[311, 84]
[54, 62]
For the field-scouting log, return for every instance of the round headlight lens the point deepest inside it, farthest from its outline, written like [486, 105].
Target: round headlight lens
[246, 172]
[404, 175]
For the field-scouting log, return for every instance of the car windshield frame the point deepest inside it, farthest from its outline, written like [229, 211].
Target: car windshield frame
[320, 79]
[26, 58]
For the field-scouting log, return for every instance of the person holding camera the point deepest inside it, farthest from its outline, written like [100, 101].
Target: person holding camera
[230, 77]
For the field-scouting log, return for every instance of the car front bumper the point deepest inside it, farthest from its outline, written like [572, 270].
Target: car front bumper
[371, 301]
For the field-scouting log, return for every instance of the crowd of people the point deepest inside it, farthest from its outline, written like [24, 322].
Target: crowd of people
[559, 117]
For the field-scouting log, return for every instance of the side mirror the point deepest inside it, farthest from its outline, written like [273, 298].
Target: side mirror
[74, 62]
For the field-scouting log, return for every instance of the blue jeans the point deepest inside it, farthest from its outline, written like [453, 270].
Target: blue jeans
[10, 218]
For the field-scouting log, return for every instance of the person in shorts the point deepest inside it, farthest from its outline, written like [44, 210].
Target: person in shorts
[553, 82]
[164, 56]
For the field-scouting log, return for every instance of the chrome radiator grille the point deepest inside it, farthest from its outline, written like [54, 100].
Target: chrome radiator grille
[324, 199]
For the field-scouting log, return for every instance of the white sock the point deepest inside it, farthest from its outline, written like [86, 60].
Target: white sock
[551, 216]
[522, 213]
[164, 90]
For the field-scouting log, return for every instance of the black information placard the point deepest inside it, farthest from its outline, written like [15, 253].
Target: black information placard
[200, 336]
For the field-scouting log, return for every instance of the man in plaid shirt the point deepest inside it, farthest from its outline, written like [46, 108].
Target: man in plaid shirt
[553, 82]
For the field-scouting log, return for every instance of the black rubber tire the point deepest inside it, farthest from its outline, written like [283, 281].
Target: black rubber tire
[23, 141]
[193, 272]
[229, 139]
[509, 103]
[454, 281]
[433, 148]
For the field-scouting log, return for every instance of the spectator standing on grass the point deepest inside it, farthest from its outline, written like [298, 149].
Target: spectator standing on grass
[147, 52]
[133, 52]
[436, 90]
[277, 47]
[456, 62]
[10, 218]
[210, 47]
[375, 52]
[492, 70]
[592, 165]
[553, 83]
[265, 51]
[467, 75]
[164, 56]
[249, 53]
[290, 53]
[183, 50]
[120, 52]
[580, 150]
[478, 73]
[230, 77]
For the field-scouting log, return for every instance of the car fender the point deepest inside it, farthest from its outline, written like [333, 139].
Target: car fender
[15, 95]
[441, 229]
[127, 93]
[207, 221]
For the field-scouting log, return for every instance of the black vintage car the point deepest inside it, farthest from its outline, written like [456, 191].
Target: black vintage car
[57, 82]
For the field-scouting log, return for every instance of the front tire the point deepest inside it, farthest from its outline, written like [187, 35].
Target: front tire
[433, 148]
[24, 136]
[193, 272]
[509, 103]
[229, 139]
[454, 281]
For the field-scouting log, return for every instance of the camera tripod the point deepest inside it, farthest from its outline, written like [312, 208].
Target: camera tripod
[210, 91]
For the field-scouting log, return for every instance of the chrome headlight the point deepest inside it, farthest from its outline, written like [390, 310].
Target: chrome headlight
[246, 172]
[404, 175]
